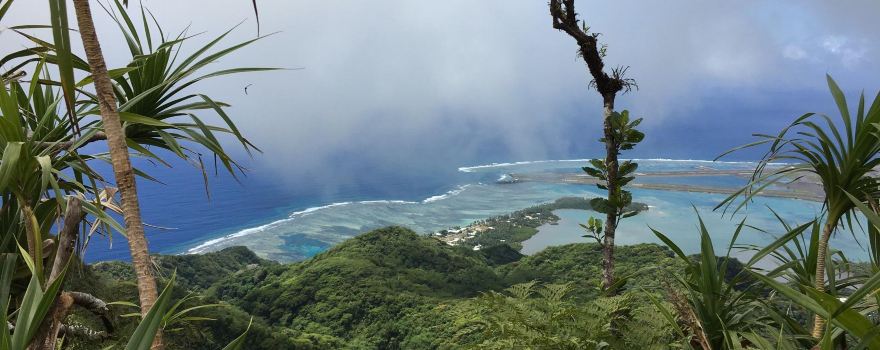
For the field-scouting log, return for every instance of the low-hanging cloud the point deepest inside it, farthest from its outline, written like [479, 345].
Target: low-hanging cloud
[417, 86]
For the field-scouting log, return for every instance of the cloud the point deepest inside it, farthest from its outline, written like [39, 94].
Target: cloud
[850, 53]
[794, 52]
[834, 43]
[413, 87]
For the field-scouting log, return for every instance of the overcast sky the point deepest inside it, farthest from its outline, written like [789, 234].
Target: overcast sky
[416, 86]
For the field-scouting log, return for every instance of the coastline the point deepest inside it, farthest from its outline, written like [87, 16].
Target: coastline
[798, 189]
[489, 173]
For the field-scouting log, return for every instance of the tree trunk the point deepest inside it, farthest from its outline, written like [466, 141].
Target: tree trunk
[48, 336]
[611, 217]
[122, 170]
[48, 333]
[73, 216]
[822, 251]
[565, 19]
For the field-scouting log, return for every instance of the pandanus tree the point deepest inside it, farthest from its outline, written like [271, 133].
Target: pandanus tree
[46, 181]
[840, 154]
[149, 93]
[118, 149]
[619, 133]
[716, 308]
[138, 106]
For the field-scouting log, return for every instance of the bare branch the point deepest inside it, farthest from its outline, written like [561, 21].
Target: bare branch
[93, 305]
[73, 216]
[59, 146]
[565, 19]
[82, 332]
[89, 302]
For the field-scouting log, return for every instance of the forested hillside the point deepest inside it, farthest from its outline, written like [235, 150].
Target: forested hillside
[390, 288]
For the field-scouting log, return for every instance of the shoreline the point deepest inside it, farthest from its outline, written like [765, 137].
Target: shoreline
[516, 227]
[800, 189]
[218, 242]
[214, 242]
[468, 169]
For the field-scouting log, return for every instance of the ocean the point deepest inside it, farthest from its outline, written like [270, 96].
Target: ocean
[290, 225]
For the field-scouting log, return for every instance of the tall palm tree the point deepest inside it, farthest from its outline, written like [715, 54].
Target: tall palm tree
[150, 98]
[43, 177]
[122, 169]
[841, 159]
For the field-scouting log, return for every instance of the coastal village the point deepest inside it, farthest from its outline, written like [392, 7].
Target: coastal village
[495, 226]
[514, 228]
[511, 229]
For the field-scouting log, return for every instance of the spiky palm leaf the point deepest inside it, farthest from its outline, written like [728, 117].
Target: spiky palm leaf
[156, 104]
[842, 159]
[154, 95]
[41, 163]
[841, 155]
[721, 316]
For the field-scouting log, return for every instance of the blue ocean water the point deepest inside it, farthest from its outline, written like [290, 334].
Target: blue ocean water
[180, 214]
[290, 224]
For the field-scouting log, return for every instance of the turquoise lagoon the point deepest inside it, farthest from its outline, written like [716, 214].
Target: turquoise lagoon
[307, 232]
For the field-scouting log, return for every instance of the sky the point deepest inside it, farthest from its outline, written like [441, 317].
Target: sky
[416, 88]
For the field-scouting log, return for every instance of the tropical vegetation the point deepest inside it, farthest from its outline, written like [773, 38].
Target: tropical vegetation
[47, 179]
[392, 288]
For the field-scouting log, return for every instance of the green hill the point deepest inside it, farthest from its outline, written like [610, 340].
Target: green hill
[358, 289]
[386, 289]
[581, 265]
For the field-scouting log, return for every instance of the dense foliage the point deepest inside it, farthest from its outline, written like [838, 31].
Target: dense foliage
[526, 316]
[578, 264]
[389, 288]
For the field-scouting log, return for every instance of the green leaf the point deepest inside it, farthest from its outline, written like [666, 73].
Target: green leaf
[239, 342]
[9, 164]
[781, 241]
[8, 269]
[594, 173]
[35, 305]
[113, 73]
[146, 330]
[669, 243]
[869, 286]
[626, 168]
[824, 304]
[139, 119]
[63, 51]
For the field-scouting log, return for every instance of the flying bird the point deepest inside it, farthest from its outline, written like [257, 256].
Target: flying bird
[245, 88]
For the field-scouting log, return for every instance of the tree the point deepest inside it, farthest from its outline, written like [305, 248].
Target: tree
[122, 169]
[614, 175]
[841, 159]
[45, 182]
[149, 98]
[719, 305]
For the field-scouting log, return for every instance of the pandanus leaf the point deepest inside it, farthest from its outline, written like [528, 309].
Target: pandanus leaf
[143, 335]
